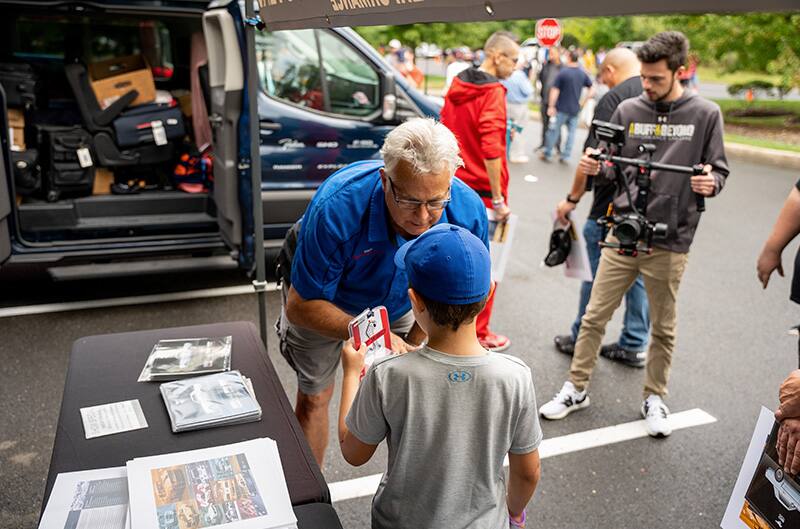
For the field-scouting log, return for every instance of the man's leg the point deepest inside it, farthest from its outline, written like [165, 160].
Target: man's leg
[545, 123]
[572, 123]
[615, 274]
[312, 414]
[662, 271]
[553, 134]
[636, 324]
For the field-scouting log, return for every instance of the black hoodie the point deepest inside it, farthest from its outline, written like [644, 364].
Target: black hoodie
[686, 131]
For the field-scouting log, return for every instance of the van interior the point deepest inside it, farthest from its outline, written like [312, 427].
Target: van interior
[92, 165]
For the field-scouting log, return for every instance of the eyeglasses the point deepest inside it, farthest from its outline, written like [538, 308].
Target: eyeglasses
[414, 205]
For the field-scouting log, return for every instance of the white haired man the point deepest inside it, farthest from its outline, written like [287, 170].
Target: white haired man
[344, 257]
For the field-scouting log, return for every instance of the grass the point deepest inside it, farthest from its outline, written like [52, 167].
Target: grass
[709, 74]
[757, 142]
[764, 122]
[434, 82]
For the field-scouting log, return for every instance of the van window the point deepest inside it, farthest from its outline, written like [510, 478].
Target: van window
[289, 69]
[352, 83]
[59, 38]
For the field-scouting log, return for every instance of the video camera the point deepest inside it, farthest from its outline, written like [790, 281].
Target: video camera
[634, 231]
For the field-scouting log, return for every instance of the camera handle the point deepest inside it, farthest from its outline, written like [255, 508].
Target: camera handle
[645, 166]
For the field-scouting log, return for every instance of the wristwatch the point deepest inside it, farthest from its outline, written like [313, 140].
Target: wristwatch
[497, 202]
[572, 200]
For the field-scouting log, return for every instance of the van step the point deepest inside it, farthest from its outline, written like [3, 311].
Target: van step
[139, 268]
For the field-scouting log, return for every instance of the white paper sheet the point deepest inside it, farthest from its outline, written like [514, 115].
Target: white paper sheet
[501, 237]
[116, 417]
[237, 486]
[89, 499]
[731, 519]
[577, 263]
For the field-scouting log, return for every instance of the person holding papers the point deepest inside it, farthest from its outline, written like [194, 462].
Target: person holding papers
[344, 257]
[451, 410]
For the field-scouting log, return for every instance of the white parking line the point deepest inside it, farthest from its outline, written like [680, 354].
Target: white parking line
[367, 485]
[130, 300]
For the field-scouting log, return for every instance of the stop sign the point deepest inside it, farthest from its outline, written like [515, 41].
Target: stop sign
[548, 32]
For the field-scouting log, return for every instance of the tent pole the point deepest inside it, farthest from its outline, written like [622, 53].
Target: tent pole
[260, 282]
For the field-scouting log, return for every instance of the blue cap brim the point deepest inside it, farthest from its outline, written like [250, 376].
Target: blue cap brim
[400, 256]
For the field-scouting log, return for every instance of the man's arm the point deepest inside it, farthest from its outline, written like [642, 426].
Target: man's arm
[788, 414]
[523, 476]
[494, 169]
[786, 228]
[789, 397]
[567, 205]
[552, 98]
[354, 450]
[319, 315]
[715, 172]
[325, 318]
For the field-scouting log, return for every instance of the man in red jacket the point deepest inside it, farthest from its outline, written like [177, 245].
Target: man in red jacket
[475, 110]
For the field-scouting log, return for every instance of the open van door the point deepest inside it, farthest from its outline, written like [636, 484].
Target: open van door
[5, 185]
[226, 83]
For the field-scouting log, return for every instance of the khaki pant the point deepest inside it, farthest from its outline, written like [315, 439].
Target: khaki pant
[662, 271]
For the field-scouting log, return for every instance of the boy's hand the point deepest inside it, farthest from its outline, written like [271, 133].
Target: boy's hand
[400, 346]
[352, 359]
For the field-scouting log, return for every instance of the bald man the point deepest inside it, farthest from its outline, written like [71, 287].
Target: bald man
[620, 72]
[475, 110]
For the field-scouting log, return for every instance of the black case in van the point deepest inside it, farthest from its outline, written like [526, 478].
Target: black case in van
[135, 126]
[64, 176]
[27, 172]
[22, 85]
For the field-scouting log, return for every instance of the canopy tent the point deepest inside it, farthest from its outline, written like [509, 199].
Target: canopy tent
[299, 14]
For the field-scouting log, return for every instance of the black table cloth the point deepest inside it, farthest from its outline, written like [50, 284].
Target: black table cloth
[104, 369]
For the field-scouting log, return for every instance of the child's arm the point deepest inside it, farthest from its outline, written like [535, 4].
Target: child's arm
[354, 450]
[523, 475]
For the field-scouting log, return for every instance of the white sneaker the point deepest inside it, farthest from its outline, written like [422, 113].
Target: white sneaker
[565, 402]
[655, 414]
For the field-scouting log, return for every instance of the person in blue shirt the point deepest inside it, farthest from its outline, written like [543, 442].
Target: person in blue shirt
[518, 92]
[564, 103]
[344, 258]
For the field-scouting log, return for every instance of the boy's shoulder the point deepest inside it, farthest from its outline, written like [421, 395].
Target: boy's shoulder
[511, 361]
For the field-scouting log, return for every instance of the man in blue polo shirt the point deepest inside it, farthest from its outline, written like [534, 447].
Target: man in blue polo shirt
[344, 259]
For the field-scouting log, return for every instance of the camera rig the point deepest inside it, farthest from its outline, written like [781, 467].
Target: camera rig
[634, 231]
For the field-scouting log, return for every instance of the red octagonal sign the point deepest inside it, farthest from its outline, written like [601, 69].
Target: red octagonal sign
[548, 32]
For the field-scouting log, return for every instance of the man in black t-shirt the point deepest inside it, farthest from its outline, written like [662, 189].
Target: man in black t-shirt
[564, 103]
[786, 228]
[620, 72]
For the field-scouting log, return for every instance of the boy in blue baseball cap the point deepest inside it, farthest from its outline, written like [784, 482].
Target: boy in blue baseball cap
[450, 410]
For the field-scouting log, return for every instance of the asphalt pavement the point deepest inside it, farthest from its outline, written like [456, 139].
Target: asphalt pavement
[733, 350]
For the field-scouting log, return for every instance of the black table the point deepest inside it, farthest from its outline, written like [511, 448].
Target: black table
[104, 369]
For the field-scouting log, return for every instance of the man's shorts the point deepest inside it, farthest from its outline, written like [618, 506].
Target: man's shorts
[315, 357]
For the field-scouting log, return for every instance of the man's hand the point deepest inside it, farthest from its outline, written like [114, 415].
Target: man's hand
[399, 346]
[789, 397]
[352, 358]
[768, 262]
[704, 184]
[501, 212]
[551, 111]
[589, 166]
[789, 446]
[563, 209]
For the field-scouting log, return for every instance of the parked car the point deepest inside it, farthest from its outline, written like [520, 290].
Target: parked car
[326, 99]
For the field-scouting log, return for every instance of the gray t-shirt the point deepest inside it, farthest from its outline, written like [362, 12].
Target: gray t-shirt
[449, 421]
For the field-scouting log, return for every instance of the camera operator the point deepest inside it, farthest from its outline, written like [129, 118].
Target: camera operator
[620, 71]
[686, 130]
